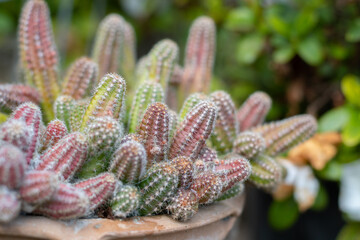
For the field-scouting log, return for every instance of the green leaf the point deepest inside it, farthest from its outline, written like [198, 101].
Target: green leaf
[332, 171]
[353, 33]
[305, 22]
[350, 231]
[338, 51]
[276, 22]
[242, 19]
[283, 214]
[322, 200]
[249, 48]
[283, 54]
[351, 132]
[351, 88]
[311, 51]
[334, 120]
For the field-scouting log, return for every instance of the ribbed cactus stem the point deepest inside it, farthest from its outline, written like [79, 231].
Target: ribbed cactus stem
[193, 132]
[236, 190]
[98, 189]
[13, 95]
[38, 187]
[66, 156]
[129, 162]
[173, 122]
[55, 130]
[266, 173]
[77, 113]
[38, 54]
[184, 165]
[108, 100]
[199, 57]
[172, 92]
[158, 186]
[226, 126]
[147, 93]
[125, 201]
[208, 186]
[12, 166]
[63, 107]
[114, 48]
[161, 61]
[31, 115]
[233, 169]
[184, 205]
[17, 133]
[249, 144]
[80, 78]
[282, 135]
[253, 111]
[190, 102]
[9, 205]
[154, 131]
[131, 137]
[68, 202]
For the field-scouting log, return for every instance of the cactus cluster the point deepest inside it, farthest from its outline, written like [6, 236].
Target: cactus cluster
[90, 153]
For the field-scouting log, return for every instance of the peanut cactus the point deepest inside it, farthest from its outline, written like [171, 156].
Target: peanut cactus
[80, 78]
[154, 131]
[266, 172]
[108, 100]
[98, 189]
[158, 186]
[192, 133]
[208, 154]
[208, 186]
[147, 93]
[233, 169]
[55, 130]
[184, 205]
[185, 169]
[129, 162]
[17, 133]
[13, 95]
[226, 125]
[173, 122]
[38, 54]
[63, 107]
[249, 144]
[12, 166]
[114, 48]
[199, 57]
[9, 205]
[282, 135]
[66, 156]
[77, 114]
[68, 202]
[160, 62]
[131, 137]
[172, 95]
[253, 111]
[38, 187]
[30, 114]
[125, 201]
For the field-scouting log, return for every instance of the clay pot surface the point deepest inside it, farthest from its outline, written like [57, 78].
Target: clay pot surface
[211, 222]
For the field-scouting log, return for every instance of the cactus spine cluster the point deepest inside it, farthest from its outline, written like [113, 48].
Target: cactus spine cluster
[171, 162]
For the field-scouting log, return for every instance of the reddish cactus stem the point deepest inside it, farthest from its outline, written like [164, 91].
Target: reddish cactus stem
[55, 130]
[13, 95]
[9, 205]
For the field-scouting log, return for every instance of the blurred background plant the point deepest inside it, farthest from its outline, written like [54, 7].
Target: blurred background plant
[297, 51]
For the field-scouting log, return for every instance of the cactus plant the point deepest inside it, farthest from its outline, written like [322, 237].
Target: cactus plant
[208, 154]
[80, 78]
[185, 169]
[129, 162]
[12, 166]
[192, 133]
[17, 133]
[226, 125]
[125, 201]
[184, 205]
[158, 186]
[199, 57]
[63, 107]
[208, 186]
[249, 144]
[13, 95]
[236, 190]
[9, 205]
[38, 54]
[55, 130]
[253, 111]
[190, 102]
[114, 48]
[154, 131]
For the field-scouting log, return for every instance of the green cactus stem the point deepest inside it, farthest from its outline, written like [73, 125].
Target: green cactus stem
[236, 190]
[190, 102]
[249, 144]
[125, 201]
[63, 108]
[184, 205]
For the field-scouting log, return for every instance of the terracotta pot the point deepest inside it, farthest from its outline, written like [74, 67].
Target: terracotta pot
[211, 222]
